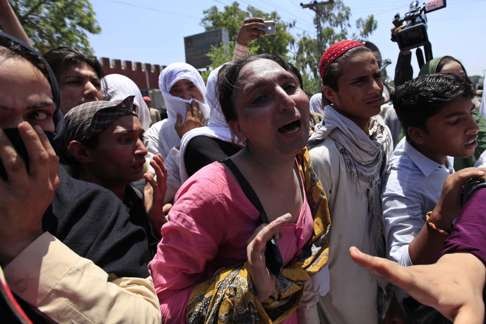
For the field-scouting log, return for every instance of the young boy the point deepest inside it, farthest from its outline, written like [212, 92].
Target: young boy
[436, 112]
[349, 151]
[103, 144]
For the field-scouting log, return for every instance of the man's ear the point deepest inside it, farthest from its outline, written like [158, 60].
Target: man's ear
[329, 94]
[79, 152]
[416, 135]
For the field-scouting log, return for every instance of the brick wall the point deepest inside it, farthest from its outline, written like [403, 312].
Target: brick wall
[145, 75]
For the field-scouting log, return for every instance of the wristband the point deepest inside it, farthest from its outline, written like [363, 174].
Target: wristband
[434, 226]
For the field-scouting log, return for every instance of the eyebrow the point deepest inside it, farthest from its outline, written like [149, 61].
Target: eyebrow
[41, 104]
[455, 114]
[128, 131]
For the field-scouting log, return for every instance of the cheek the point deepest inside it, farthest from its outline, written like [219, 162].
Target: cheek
[197, 95]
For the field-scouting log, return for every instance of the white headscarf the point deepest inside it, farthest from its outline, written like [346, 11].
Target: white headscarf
[167, 135]
[315, 104]
[118, 87]
[217, 126]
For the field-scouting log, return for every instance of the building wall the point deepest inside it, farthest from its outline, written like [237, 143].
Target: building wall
[145, 75]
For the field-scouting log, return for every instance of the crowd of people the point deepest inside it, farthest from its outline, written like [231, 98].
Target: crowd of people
[250, 202]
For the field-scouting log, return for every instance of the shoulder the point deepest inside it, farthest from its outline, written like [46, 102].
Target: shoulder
[155, 128]
[209, 183]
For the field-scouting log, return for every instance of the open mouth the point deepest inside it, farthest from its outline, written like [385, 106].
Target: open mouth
[471, 142]
[290, 127]
[377, 100]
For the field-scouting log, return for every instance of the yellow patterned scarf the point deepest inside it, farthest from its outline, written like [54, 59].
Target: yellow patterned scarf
[229, 296]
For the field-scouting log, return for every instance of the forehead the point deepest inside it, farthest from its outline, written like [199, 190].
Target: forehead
[20, 80]
[358, 64]
[125, 123]
[81, 68]
[458, 106]
[182, 83]
[261, 69]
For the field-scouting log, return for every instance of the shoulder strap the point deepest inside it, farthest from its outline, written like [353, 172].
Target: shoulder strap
[247, 189]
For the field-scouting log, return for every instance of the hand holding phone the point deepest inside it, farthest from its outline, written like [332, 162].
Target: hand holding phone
[19, 146]
[270, 27]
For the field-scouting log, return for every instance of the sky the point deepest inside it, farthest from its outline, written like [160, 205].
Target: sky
[153, 31]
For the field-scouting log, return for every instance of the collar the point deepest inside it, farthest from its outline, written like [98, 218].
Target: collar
[423, 163]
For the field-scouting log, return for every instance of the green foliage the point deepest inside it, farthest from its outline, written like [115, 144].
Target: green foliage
[231, 18]
[54, 23]
[303, 51]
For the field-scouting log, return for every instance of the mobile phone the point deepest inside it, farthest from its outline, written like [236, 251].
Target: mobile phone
[19, 146]
[273, 258]
[432, 5]
[270, 27]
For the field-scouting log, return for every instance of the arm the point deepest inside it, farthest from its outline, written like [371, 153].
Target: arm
[403, 213]
[10, 23]
[67, 287]
[403, 69]
[424, 248]
[190, 239]
[251, 29]
[453, 285]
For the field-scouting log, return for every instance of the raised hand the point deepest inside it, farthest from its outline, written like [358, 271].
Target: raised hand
[26, 195]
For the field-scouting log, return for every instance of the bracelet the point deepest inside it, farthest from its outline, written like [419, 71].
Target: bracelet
[434, 226]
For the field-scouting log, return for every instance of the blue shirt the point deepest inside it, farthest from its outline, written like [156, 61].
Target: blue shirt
[412, 189]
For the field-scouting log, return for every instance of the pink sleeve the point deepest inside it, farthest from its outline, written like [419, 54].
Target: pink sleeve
[189, 241]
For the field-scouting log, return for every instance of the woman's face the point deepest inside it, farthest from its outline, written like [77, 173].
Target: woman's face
[25, 95]
[185, 89]
[454, 68]
[272, 110]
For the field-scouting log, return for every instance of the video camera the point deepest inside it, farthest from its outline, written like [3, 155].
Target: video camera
[411, 30]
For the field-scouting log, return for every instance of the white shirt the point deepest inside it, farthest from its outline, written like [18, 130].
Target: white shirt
[412, 189]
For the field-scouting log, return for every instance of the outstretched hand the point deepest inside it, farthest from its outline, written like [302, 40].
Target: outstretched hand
[26, 195]
[453, 285]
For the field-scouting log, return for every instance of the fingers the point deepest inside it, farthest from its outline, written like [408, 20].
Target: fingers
[12, 162]
[53, 158]
[384, 268]
[179, 120]
[252, 19]
[465, 174]
[161, 172]
[256, 247]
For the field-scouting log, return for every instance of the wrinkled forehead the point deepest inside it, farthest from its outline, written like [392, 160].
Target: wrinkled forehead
[259, 71]
[359, 63]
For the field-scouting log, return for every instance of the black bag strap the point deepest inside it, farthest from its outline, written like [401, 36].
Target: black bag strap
[247, 189]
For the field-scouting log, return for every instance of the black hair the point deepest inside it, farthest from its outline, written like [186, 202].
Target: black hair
[296, 72]
[228, 78]
[419, 99]
[447, 59]
[334, 70]
[372, 46]
[62, 58]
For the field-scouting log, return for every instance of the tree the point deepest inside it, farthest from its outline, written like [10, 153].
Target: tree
[54, 23]
[231, 18]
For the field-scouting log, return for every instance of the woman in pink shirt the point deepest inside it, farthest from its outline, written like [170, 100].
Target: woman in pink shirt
[242, 252]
